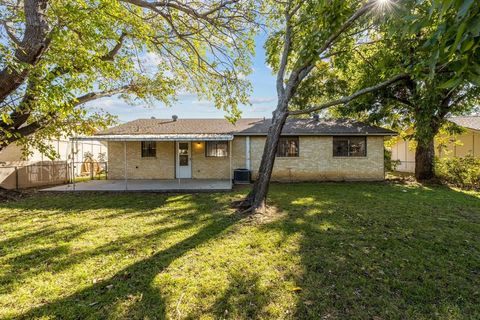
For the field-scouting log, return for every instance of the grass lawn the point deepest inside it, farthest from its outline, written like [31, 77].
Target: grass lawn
[331, 251]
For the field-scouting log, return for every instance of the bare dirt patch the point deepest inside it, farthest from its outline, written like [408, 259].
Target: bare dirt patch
[12, 195]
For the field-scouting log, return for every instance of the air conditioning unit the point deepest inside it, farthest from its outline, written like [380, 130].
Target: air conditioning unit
[241, 176]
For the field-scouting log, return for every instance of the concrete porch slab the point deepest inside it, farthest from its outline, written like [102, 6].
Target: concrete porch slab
[178, 185]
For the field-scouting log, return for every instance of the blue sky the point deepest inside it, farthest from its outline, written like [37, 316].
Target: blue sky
[263, 98]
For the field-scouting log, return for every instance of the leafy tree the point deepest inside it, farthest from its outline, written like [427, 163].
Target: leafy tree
[55, 55]
[437, 43]
[313, 44]
[304, 37]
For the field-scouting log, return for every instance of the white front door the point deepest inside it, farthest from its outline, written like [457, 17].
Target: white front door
[184, 163]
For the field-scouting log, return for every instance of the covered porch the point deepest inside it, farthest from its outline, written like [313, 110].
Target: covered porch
[162, 163]
[177, 185]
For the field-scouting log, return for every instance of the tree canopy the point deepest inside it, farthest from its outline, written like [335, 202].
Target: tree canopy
[55, 55]
[425, 41]
[303, 37]
[335, 53]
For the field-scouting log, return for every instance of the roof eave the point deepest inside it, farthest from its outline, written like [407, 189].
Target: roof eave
[156, 137]
[321, 134]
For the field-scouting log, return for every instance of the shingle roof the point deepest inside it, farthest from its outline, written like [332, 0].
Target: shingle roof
[317, 127]
[471, 122]
[244, 127]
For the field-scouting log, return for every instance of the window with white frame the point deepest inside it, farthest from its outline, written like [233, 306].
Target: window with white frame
[216, 149]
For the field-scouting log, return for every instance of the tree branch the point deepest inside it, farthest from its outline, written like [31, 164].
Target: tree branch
[285, 52]
[112, 53]
[34, 43]
[354, 17]
[401, 100]
[12, 36]
[101, 94]
[16, 133]
[155, 6]
[347, 99]
[306, 67]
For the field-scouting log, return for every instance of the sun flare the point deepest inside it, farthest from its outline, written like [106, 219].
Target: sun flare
[385, 5]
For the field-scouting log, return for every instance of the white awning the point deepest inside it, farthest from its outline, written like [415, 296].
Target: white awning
[156, 137]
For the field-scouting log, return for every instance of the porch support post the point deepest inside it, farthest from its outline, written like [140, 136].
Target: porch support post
[230, 154]
[125, 163]
[72, 149]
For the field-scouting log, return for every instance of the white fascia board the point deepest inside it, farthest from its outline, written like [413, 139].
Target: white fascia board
[157, 137]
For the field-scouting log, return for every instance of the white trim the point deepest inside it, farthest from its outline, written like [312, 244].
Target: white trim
[158, 137]
[314, 134]
[178, 173]
[207, 137]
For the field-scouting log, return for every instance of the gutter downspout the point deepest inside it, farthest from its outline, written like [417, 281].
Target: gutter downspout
[473, 143]
[247, 152]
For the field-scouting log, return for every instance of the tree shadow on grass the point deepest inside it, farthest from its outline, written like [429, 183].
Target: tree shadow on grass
[144, 204]
[57, 258]
[133, 283]
[47, 255]
[243, 299]
[67, 233]
[130, 292]
[383, 251]
[32, 262]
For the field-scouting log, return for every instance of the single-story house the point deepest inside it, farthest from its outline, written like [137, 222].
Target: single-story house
[63, 148]
[456, 145]
[309, 149]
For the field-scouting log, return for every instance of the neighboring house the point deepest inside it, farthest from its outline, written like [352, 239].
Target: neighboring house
[63, 148]
[458, 145]
[34, 170]
[309, 149]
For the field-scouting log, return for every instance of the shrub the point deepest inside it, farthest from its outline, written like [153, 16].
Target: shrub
[462, 172]
[389, 164]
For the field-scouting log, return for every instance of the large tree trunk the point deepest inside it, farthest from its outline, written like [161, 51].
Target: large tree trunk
[256, 199]
[424, 160]
[34, 43]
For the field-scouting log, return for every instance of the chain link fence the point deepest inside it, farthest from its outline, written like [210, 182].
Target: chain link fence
[89, 170]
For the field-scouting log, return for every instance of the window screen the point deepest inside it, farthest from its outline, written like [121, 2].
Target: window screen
[288, 147]
[349, 146]
[216, 149]
[149, 149]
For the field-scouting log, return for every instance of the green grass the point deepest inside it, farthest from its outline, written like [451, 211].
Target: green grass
[331, 251]
[100, 176]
